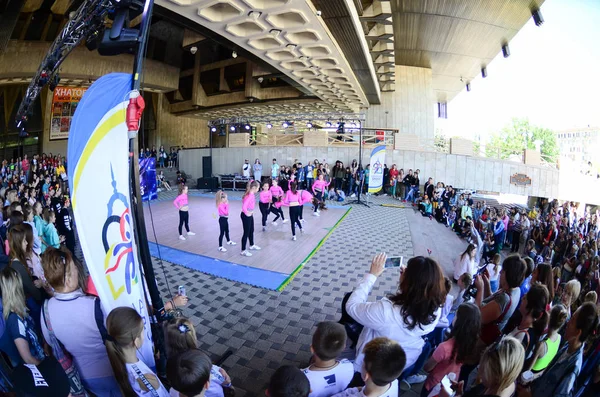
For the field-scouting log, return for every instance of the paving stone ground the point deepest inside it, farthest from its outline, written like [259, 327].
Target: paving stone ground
[267, 329]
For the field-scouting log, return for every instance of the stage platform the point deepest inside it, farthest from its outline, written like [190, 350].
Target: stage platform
[272, 267]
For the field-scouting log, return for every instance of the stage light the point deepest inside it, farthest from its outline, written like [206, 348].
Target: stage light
[505, 51]
[484, 72]
[234, 54]
[537, 17]
[285, 124]
[468, 86]
[213, 129]
[328, 123]
[247, 127]
[269, 125]
[232, 128]
[309, 125]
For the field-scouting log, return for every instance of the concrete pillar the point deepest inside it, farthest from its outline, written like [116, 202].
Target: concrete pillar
[408, 109]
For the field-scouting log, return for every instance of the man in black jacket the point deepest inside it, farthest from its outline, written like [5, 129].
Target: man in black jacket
[64, 225]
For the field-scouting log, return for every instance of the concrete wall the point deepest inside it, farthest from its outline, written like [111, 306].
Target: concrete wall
[409, 108]
[460, 171]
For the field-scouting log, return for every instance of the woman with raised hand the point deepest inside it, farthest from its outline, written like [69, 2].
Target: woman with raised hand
[405, 316]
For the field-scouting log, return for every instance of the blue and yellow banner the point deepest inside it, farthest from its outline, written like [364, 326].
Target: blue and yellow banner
[98, 160]
[376, 169]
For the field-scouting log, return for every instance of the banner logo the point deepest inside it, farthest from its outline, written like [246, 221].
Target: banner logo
[376, 170]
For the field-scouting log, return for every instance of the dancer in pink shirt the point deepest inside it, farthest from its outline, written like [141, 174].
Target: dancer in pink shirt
[277, 193]
[294, 201]
[248, 202]
[181, 203]
[318, 189]
[265, 203]
[223, 210]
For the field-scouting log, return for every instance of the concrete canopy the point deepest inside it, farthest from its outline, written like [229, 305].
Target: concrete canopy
[455, 38]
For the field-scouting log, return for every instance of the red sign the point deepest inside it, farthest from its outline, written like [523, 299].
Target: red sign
[380, 135]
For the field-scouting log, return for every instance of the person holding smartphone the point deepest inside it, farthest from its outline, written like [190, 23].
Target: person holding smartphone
[405, 316]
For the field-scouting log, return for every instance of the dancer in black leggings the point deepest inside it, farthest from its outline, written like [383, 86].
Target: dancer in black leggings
[294, 201]
[181, 203]
[277, 194]
[223, 209]
[248, 202]
[265, 204]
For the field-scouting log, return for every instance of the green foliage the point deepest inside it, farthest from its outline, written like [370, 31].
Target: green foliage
[519, 135]
[441, 144]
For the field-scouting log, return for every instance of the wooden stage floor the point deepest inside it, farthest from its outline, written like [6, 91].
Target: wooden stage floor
[271, 267]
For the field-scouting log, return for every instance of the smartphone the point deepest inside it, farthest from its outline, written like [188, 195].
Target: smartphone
[394, 261]
[447, 385]
[181, 290]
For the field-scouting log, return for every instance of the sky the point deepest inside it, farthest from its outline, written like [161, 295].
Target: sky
[552, 76]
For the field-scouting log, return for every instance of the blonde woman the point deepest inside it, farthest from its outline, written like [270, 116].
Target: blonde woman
[19, 340]
[499, 368]
[570, 294]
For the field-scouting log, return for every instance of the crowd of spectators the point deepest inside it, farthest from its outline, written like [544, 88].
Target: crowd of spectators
[519, 316]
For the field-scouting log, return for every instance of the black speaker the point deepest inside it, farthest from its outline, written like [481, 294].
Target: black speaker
[206, 166]
[208, 183]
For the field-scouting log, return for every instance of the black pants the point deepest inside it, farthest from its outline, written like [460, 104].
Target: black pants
[248, 225]
[295, 218]
[224, 226]
[319, 197]
[184, 218]
[516, 237]
[278, 212]
[264, 210]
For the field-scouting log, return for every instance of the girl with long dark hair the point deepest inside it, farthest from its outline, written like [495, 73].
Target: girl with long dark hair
[449, 355]
[277, 194]
[181, 203]
[405, 317]
[248, 202]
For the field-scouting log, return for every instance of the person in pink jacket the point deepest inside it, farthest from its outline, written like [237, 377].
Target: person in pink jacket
[181, 203]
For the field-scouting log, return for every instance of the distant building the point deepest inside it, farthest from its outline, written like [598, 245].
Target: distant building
[580, 146]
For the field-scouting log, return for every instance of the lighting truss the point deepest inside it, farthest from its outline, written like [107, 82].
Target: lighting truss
[294, 118]
[83, 24]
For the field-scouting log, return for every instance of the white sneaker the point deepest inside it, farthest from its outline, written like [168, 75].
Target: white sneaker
[231, 242]
[274, 223]
[246, 253]
[285, 221]
[222, 249]
[181, 237]
[264, 229]
[302, 221]
[255, 247]
[191, 233]
[414, 379]
[353, 195]
[315, 214]
[302, 231]
[294, 238]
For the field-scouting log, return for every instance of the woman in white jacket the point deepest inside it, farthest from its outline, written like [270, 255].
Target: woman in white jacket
[404, 317]
[465, 263]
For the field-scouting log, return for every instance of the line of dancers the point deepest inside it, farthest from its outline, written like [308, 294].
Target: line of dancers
[271, 201]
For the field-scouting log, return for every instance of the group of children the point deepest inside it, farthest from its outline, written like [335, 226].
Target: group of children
[271, 200]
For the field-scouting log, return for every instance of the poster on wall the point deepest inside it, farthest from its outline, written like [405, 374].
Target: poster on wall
[64, 104]
[148, 178]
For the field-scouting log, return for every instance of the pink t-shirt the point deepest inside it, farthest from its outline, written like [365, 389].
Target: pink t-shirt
[265, 196]
[223, 209]
[292, 198]
[305, 197]
[319, 185]
[181, 201]
[248, 204]
[276, 191]
[444, 366]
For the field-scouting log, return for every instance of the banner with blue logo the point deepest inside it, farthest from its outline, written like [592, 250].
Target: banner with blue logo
[376, 169]
[98, 161]
[148, 178]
